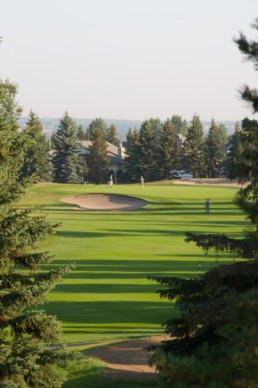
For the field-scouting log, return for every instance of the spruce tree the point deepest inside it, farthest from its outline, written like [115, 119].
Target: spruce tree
[216, 337]
[214, 151]
[180, 126]
[147, 157]
[80, 133]
[112, 136]
[66, 161]
[36, 152]
[25, 360]
[97, 124]
[167, 150]
[193, 149]
[97, 160]
[156, 127]
[250, 50]
[242, 160]
[131, 170]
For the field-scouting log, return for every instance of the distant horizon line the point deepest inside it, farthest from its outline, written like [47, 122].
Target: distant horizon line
[140, 120]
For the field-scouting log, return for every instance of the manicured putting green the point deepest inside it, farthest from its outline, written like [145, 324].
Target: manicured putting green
[108, 296]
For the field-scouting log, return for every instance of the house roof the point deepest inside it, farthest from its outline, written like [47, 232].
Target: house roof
[113, 151]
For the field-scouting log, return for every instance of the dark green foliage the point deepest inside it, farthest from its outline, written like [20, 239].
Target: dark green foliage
[167, 150]
[96, 125]
[97, 160]
[231, 361]
[216, 338]
[222, 134]
[80, 133]
[214, 150]
[156, 126]
[111, 136]
[193, 149]
[250, 50]
[221, 243]
[87, 134]
[242, 161]
[36, 152]
[24, 359]
[180, 125]
[66, 161]
[131, 169]
[212, 327]
[147, 157]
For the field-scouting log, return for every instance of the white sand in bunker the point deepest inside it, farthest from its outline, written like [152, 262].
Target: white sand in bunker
[105, 202]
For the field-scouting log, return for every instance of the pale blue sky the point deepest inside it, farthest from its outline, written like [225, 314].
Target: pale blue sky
[128, 59]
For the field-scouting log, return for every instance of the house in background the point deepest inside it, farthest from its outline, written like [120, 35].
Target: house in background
[115, 154]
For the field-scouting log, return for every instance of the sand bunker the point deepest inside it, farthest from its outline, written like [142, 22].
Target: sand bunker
[128, 360]
[105, 202]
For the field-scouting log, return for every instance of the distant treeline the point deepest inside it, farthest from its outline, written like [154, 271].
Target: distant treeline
[122, 126]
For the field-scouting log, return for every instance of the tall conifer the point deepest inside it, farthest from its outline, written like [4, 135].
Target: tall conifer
[167, 151]
[36, 152]
[193, 149]
[147, 157]
[132, 172]
[66, 161]
[25, 361]
[111, 136]
[215, 339]
[214, 151]
[97, 160]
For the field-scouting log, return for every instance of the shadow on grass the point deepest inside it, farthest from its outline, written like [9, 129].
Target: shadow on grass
[109, 313]
[127, 269]
[106, 288]
[116, 232]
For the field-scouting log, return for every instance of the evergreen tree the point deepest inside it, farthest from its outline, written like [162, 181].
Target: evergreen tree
[214, 148]
[242, 161]
[219, 316]
[234, 152]
[66, 161]
[112, 136]
[193, 149]
[80, 133]
[180, 126]
[99, 125]
[167, 150]
[87, 134]
[222, 133]
[25, 360]
[36, 152]
[156, 127]
[250, 51]
[97, 160]
[216, 335]
[131, 170]
[147, 152]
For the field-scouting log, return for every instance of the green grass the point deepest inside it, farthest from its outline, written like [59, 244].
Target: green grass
[107, 296]
[88, 372]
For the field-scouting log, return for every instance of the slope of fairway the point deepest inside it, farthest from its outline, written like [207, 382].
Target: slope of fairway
[107, 295]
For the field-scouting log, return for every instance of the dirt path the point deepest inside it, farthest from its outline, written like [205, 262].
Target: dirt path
[128, 360]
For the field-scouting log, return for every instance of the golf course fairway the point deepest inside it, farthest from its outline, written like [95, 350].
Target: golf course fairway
[107, 295]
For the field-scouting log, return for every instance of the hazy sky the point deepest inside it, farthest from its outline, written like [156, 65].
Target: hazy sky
[128, 59]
